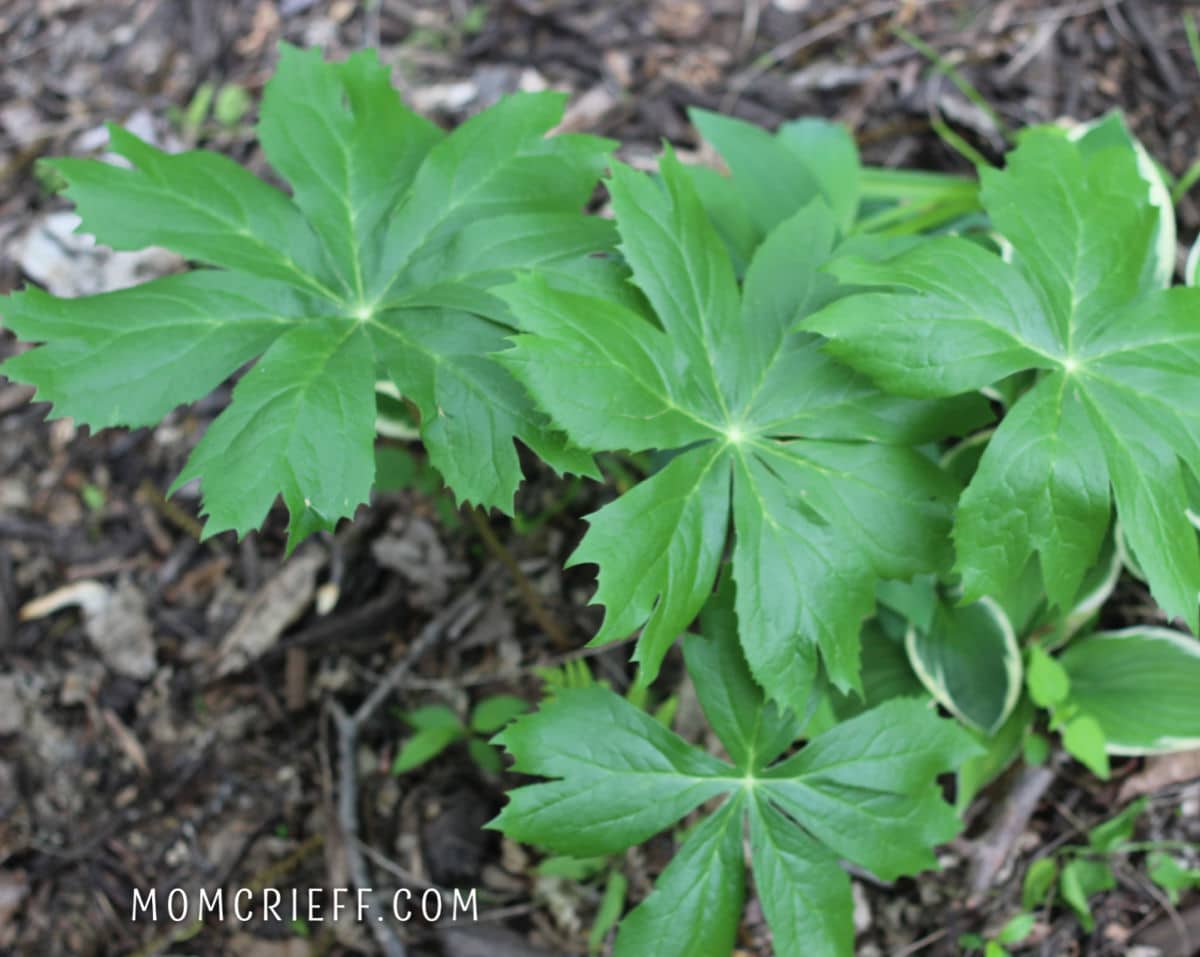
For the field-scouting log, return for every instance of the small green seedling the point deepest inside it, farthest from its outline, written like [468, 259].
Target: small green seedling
[1077, 872]
[436, 727]
[1016, 931]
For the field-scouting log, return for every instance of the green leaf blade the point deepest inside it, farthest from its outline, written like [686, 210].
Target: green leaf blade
[681, 265]
[343, 140]
[970, 662]
[962, 320]
[498, 163]
[601, 368]
[866, 787]
[679, 518]
[1074, 220]
[201, 205]
[1041, 487]
[129, 357]
[616, 789]
[305, 406]
[797, 591]
[1141, 684]
[753, 731]
[804, 893]
[696, 905]
[471, 406]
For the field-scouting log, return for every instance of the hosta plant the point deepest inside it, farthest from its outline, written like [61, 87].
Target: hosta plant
[917, 426]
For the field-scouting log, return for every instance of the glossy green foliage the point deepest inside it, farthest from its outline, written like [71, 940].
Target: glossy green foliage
[379, 262]
[810, 463]
[1141, 685]
[786, 354]
[863, 791]
[1078, 304]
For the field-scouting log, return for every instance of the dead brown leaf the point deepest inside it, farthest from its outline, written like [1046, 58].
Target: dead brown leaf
[115, 620]
[262, 29]
[278, 604]
[246, 945]
[14, 888]
[1161, 771]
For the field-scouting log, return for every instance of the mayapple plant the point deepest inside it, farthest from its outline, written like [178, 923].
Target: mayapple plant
[907, 432]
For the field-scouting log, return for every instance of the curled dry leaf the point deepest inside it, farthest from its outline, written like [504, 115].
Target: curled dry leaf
[281, 602]
[114, 619]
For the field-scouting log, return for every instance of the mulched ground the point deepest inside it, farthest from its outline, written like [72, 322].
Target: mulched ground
[169, 709]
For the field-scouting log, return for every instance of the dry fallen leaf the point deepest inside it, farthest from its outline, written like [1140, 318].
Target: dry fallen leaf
[1161, 771]
[413, 547]
[68, 263]
[589, 111]
[114, 619]
[246, 945]
[278, 604]
[14, 887]
[262, 29]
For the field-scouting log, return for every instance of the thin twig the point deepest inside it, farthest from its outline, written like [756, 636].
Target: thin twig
[348, 727]
[751, 14]
[347, 813]
[919, 945]
[371, 14]
[806, 38]
[533, 601]
[1158, 56]
[430, 635]
[994, 847]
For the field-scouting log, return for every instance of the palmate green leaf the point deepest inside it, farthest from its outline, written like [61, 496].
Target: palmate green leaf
[809, 460]
[865, 791]
[380, 261]
[616, 788]
[774, 176]
[1080, 303]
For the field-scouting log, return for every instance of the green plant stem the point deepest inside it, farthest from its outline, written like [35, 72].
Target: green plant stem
[879, 182]
[1193, 37]
[949, 70]
[957, 143]
[533, 602]
[1185, 183]
[907, 220]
